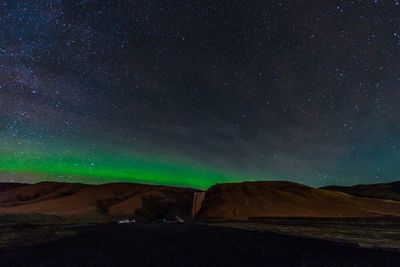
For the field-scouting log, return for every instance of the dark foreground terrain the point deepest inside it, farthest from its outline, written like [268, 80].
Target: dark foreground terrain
[189, 245]
[378, 232]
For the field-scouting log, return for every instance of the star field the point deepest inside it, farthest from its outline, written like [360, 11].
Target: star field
[193, 93]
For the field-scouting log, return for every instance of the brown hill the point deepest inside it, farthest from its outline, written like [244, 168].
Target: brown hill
[8, 186]
[385, 191]
[286, 199]
[98, 202]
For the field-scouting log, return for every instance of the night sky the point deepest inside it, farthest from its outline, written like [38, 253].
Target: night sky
[193, 93]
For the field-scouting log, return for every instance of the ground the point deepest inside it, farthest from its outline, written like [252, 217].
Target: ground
[186, 245]
[379, 232]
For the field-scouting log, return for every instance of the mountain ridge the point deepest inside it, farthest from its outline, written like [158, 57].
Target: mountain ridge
[236, 201]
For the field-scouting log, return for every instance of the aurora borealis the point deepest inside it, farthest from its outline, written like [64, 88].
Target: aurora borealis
[196, 93]
[108, 165]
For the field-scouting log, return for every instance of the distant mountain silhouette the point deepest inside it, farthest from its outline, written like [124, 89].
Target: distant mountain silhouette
[384, 190]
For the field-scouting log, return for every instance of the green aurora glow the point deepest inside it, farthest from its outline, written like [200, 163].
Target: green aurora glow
[80, 163]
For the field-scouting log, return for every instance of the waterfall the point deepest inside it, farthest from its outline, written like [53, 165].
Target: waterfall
[197, 201]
